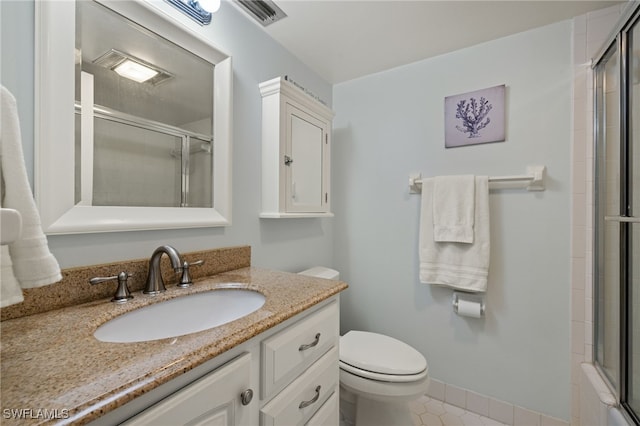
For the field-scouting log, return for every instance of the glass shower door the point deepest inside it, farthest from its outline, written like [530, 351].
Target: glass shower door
[607, 292]
[135, 166]
[633, 213]
[617, 215]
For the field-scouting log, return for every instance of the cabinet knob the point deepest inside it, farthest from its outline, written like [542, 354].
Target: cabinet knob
[287, 160]
[246, 396]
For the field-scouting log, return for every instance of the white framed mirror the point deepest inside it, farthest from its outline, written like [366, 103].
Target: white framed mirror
[87, 179]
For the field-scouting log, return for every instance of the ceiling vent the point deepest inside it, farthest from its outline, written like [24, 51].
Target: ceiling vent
[264, 11]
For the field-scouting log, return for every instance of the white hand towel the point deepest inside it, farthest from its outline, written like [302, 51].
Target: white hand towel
[33, 265]
[459, 265]
[453, 208]
[10, 291]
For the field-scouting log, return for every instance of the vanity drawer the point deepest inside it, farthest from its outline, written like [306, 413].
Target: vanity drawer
[328, 414]
[288, 353]
[298, 402]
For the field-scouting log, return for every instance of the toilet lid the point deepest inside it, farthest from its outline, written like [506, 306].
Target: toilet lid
[381, 354]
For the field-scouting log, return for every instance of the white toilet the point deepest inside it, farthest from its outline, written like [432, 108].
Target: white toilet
[379, 375]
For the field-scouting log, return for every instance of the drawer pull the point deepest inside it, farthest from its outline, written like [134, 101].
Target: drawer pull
[305, 404]
[310, 345]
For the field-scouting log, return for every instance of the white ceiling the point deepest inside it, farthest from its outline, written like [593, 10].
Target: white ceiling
[346, 39]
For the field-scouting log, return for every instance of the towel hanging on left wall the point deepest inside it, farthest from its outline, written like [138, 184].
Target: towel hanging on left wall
[26, 262]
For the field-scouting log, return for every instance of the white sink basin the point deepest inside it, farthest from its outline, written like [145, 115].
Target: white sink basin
[180, 316]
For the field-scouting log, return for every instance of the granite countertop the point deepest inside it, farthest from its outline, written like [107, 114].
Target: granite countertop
[51, 361]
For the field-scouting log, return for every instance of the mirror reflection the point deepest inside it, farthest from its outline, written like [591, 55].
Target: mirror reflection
[144, 109]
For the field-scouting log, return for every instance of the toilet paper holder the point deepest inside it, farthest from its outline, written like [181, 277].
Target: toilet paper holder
[466, 299]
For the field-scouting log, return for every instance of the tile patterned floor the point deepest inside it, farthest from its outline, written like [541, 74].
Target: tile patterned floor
[432, 412]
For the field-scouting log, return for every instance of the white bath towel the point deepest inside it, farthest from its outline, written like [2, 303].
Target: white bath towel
[28, 262]
[459, 265]
[453, 208]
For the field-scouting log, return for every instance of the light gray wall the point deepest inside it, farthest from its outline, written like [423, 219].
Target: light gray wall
[287, 244]
[389, 125]
[16, 65]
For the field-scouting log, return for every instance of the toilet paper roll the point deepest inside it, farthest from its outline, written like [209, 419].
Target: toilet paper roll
[468, 308]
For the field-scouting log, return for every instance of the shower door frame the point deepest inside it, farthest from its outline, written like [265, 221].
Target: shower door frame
[620, 44]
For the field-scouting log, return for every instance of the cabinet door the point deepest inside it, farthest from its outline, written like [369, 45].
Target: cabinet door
[213, 400]
[307, 144]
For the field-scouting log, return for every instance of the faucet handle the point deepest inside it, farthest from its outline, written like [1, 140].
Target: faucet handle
[122, 293]
[185, 279]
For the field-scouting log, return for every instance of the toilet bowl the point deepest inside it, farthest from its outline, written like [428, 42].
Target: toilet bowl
[379, 375]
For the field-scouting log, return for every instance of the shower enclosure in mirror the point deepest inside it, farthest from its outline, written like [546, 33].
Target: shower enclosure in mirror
[617, 215]
[134, 119]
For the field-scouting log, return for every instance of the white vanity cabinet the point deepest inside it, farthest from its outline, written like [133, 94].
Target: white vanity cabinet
[296, 156]
[291, 370]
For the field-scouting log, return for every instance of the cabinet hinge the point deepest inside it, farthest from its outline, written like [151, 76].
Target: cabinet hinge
[326, 197]
[326, 138]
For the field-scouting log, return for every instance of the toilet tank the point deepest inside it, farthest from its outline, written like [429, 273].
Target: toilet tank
[321, 272]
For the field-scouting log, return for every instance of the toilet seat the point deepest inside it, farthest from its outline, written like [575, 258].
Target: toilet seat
[382, 377]
[379, 357]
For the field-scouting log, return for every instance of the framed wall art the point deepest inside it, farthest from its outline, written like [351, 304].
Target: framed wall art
[474, 117]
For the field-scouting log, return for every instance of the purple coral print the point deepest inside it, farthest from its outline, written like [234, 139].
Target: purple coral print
[475, 117]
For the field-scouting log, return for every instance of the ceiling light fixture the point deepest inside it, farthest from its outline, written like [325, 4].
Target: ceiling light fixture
[135, 71]
[133, 68]
[198, 10]
[210, 6]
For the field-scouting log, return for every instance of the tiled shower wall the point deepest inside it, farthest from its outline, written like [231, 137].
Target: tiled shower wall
[590, 32]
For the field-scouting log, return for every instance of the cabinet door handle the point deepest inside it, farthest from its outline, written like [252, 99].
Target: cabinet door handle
[287, 160]
[246, 396]
[305, 404]
[310, 345]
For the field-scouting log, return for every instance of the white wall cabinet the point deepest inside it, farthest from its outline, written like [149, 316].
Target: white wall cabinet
[291, 369]
[296, 155]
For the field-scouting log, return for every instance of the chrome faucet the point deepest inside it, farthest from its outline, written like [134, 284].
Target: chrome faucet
[155, 284]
